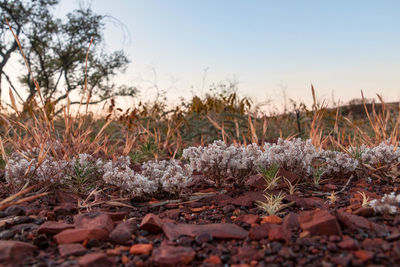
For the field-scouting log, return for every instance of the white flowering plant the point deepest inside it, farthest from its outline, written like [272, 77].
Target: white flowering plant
[219, 161]
[388, 204]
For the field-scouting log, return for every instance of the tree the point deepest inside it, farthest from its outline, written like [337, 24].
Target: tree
[20, 13]
[56, 52]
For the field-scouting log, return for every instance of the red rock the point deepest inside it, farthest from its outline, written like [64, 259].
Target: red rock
[247, 218]
[213, 259]
[65, 209]
[222, 230]
[123, 232]
[173, 213]
[244, 201]
[66, 250]
[329, 187]
[173, 256]
[246, 253]
[319, 222]
[342, 259]
[97, 259]
[79, 235]
[259, 232]
[256, 181]
[52, 227]
[272, 219]
[117, 216]
[374, 244]
[348, 243]
[355, 222]
[141, 249]
[151, 223]
[364, 212]
[309, 203]
[364, 255]
[15, 252]
[291, 221]
[94, 220]
[279, 234]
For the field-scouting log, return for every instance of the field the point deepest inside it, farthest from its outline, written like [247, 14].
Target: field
[210, 182]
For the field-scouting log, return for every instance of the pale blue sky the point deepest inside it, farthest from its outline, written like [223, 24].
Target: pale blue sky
[339, 46]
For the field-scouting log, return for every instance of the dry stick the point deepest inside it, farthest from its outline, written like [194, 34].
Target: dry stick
[26, 199]
[20, 193]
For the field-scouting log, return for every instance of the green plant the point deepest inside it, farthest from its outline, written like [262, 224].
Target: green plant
[292, 187]
[270, 176]
[317, 174]
[81, 177]
[273, 203]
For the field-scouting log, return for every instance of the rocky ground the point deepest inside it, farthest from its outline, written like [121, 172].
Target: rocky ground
[212, 228]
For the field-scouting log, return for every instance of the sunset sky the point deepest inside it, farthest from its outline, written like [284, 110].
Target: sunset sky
[342, 47]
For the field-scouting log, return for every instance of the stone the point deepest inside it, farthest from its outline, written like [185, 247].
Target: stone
[64, 210]
[354, 222]
[245, 253]
[67, 250]
[173, 256]
[279, 234]
[151, 223]
[79, 235]
[319, 222]
[248, 218]
[364, 255]
[53, 227]
[7, 234]
[15, 252]
[123, 232]
[348, 243]
[97, 259]
[364, 212]
[213, 259]
[256, 182]
[309, 203]
[141, 249]
[220, 230]
[203, 238]
[291, 221]
[375, 244]
[14, 211]
[244, 201]
[258, 232]
[117, 216]
[94, 220]
[272, 219]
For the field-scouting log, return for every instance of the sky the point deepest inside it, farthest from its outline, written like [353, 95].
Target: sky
[268, 47]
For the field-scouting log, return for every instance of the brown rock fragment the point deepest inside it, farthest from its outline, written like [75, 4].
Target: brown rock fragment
[79, 235]
[151, 223]
[14, 253]
[172, 256]
[94, 220]
[319, 222]
[97, 259]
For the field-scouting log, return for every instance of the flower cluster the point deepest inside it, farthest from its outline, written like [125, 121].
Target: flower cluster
[384, 153]
[387, 204]
[219, 161]
[338, 162]
[120, 174]
[22, 167]
[157, 177]
[170, 176]
[293, 155]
